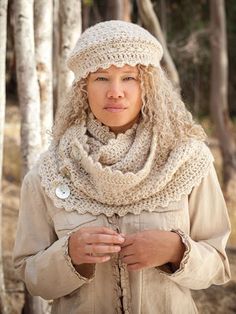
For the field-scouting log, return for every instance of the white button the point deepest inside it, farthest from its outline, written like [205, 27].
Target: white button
[62, 191]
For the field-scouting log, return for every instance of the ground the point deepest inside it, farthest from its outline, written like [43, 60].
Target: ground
[217, 299]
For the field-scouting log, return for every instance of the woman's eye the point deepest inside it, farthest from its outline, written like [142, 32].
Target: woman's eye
[129, 78]
[101, 78]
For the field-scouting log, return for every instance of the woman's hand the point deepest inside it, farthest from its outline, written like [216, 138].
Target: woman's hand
[152, 248]
[93, 245]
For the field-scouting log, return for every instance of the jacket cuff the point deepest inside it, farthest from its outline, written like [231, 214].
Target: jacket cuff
[169, 269]
[69, 261]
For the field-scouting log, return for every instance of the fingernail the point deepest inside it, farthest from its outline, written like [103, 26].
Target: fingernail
[121, 238]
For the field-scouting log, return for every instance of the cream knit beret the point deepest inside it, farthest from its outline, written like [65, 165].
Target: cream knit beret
[113, 43]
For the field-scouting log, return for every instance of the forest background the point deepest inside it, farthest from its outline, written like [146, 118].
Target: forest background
[199, 38]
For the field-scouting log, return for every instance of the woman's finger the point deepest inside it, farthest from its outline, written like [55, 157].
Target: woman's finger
[90, 259]
[99, 230]
[127, 250]
[101, 249]
[130, 259]
[129, 240]
[103, 238]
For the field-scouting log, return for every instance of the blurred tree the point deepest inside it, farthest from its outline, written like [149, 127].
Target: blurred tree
[151, 22]
[186, 27]
[70, 23]
[163, 18]
[10, 56]
[231, 39]
[103, 10]
[114, 10]
[94, 11]
[127, 11]
[97, 15]
[55, 49]
[3, 40]
[219, 93]
[43, 29]
[29, 98]
[86, 10]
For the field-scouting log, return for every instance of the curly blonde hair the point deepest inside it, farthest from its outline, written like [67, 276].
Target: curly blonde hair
[162, 108]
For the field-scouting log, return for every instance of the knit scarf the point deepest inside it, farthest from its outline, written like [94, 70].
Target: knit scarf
[121, 174]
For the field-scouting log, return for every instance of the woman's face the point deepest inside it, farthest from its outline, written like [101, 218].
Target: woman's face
[114, 96]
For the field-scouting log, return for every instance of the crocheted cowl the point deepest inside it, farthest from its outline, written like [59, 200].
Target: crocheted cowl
[120, 174]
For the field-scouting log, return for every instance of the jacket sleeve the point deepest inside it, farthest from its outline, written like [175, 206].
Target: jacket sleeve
[205, 261]
[41, 259]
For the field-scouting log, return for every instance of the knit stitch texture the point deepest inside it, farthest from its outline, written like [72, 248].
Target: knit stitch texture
[119, 174]
[113, 43]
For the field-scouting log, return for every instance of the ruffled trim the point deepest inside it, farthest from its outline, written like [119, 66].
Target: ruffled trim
[117, 287]
[170, 184]
[86, 205]
[124, 277]
[106, 64]
[185, 240]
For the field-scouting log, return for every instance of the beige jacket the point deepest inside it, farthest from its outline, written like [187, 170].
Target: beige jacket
[42, 262]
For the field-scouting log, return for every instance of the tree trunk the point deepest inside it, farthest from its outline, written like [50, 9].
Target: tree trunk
[151, 22]
[97, 16]
[86, 9]
[219, 93]
[28, 92]
[27, 82]
[70, 24]
[3, 38]
[163, 18]
[114, 10]
[55, 51]
[127, 11]
[43, 28]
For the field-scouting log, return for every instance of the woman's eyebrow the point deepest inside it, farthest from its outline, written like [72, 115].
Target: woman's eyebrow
[130, 72]
[100, 71]
[106, 72]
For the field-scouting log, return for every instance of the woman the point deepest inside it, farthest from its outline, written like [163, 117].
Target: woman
[124, 213]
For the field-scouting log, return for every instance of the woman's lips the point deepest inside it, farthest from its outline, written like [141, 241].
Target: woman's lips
[112, 109]
[115, 108]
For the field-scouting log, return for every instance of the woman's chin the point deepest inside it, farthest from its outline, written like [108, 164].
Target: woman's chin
[120, 128]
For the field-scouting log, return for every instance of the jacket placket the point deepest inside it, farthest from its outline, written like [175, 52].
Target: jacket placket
[120, 273]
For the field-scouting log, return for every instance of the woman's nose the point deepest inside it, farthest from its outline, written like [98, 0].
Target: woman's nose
[115, 90]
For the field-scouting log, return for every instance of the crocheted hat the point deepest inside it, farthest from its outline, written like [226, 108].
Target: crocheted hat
[113, 43]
